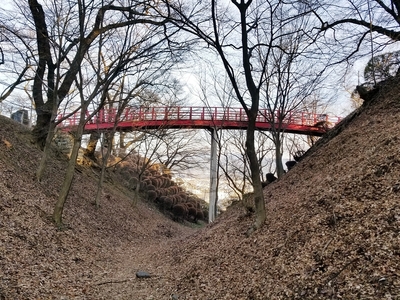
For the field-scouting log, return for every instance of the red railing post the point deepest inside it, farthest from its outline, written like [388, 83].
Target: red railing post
[101, 116]
[109, 115]
[113, 116]
[126, 114]
[166, 113]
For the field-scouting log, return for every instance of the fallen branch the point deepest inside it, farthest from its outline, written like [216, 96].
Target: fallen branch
[336, 274]
[326, 246]
[111, 281]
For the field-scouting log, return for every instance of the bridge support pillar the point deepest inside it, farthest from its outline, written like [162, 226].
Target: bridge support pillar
[212, 210]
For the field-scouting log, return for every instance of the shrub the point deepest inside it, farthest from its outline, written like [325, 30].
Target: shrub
[179, 212]
[151, 195]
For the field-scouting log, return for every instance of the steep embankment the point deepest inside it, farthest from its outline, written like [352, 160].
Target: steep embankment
[333, 229]
[39, 262]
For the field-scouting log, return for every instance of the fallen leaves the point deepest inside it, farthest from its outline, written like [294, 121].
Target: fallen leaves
[332, 231]
[6, 143]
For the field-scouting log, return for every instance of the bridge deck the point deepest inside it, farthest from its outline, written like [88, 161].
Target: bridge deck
[202, 117]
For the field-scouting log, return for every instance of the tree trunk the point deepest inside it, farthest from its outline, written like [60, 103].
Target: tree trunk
[46, 152]
[278, 155]
[122, 135]
[255, 175]
[69, 176]
[44, 110]
[108, 142]
[44, 135]
[92, 144]
[212, 212]
[42, 127]
[100, 186]
[136, 194]
[104, 159]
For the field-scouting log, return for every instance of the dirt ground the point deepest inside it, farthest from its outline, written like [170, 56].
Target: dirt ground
[332, 231]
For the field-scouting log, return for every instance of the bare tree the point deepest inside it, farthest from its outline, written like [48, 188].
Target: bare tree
[356, 28]
[101, 85]
[64, 66]
[117, 103]
[380, 17]
[63, 42]
[169, 151]
[16, 53]
[232, 159]
[181, 152]
[144, 151]
[293, 71]
[381, 67]
[217, 36]
[212, 87]
[234, 162]
[245, 32]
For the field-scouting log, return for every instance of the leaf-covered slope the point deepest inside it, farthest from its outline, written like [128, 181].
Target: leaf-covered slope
[333, 229]
[332, 232]
[39, 262]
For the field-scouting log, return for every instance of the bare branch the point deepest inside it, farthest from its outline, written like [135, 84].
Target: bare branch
[394, 35]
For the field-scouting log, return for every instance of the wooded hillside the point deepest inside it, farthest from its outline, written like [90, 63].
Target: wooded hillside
[332, 231]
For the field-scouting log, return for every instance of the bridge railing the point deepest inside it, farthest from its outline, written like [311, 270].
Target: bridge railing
[232, 114]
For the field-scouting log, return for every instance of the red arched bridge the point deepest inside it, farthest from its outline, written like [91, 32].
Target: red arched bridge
[202, 117]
